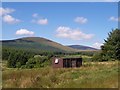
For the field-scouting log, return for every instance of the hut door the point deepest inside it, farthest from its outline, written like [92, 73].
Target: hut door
[73, 63]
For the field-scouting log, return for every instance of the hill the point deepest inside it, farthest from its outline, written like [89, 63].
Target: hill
[36, 44]
[81, 47]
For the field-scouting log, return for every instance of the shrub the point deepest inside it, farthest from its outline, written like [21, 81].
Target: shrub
[97, 57]
[18, 65]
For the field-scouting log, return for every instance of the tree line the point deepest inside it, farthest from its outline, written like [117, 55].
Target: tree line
[23, 58]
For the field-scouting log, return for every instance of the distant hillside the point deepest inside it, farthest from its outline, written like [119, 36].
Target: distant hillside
[36, 44]
[81, 47]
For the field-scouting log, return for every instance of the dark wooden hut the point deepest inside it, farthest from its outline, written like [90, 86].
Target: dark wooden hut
[58, 62]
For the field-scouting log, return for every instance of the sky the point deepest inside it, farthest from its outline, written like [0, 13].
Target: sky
[68, 23]
[60, 0]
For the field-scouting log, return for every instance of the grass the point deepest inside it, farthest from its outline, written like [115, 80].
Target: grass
[90, 75]
[0, 74]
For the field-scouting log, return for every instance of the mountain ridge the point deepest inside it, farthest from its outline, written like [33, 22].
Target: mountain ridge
[40, 43]
[37, 43]
[82, 47]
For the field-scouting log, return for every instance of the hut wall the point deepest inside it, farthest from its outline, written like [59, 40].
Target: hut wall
[59, 64]
[66, 62]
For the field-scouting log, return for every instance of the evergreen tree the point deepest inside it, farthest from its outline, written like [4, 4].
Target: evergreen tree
[111, 47]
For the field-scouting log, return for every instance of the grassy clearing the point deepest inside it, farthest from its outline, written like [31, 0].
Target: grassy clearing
[90, 75]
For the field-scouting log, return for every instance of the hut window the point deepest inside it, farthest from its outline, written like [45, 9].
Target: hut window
[56, 61]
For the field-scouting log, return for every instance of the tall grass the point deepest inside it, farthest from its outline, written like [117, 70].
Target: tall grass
[90, 75]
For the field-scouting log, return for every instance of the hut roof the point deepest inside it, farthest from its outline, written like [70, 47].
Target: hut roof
[69, 56]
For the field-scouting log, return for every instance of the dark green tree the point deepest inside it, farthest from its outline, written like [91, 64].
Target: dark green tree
[111, 47]
[11, 60]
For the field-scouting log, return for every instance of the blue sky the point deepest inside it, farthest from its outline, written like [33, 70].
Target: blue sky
[66, 23]
[60, 1]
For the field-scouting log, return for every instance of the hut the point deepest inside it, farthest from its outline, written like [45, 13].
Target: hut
[66, 62]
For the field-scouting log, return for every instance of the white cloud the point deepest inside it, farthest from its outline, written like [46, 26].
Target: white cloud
[9, 19]
[39, 20]
[97, 45]
[4, 11]
[74, 34]
[42, 21]
[81, 20]
[112, 18]
[24, 32]
[35, 15]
